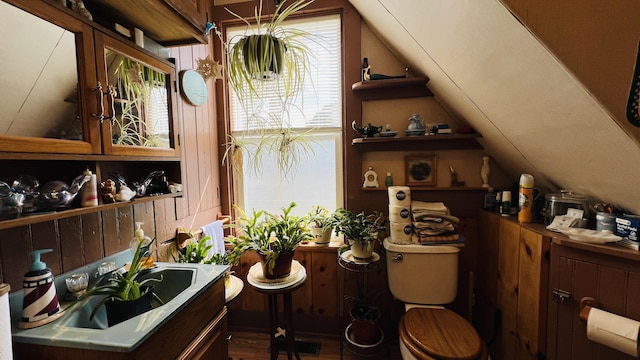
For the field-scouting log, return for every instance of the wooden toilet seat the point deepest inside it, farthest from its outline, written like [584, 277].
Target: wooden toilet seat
[440, 334]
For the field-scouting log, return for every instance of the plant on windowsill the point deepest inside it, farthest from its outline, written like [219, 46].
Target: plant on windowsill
[274, 237]
[319, 224]
[360, 231]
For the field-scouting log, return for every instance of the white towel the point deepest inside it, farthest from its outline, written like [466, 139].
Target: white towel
[216, 233]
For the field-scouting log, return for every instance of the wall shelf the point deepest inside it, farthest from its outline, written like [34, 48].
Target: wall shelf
[433, 188]
[425, 142]
[54, 215]
[392, 88]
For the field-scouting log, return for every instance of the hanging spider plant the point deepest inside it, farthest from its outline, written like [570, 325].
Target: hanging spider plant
[267, 51]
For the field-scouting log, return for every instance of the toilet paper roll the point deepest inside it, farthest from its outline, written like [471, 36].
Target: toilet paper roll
[6, 351]
[400, 214]
[400, 233]
[399, 196]
[614, 331]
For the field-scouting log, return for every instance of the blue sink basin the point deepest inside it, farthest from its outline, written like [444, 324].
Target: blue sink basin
[174, 282]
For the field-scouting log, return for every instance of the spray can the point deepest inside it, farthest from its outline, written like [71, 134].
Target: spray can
[525, 198]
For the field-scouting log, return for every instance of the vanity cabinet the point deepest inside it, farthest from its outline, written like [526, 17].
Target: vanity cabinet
[609, 273]
[523, 277]
[198, 331]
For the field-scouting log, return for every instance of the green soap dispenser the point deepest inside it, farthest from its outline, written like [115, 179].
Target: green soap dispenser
[40, 304]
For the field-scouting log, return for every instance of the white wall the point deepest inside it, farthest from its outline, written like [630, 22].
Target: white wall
[489, 71]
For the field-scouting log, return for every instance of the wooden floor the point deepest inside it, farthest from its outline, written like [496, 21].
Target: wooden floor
[255, 346]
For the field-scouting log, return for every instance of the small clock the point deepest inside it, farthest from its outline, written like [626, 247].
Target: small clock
[370, 179]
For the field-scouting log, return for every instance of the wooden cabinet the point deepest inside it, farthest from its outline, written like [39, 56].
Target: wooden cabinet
[55, 148]
[609, 273]
[198, 331]
[168, 22]
[523, 273]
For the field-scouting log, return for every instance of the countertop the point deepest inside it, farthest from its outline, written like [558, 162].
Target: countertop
[123, 337]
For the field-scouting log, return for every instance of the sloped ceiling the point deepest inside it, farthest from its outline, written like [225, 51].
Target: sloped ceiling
[491, 72]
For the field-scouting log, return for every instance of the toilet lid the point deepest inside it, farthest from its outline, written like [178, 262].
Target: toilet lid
[441, 333]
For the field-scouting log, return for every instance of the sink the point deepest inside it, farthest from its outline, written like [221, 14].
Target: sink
[174, 282]
[181, 284]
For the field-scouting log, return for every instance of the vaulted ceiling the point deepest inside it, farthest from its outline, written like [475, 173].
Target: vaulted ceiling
[542, 106]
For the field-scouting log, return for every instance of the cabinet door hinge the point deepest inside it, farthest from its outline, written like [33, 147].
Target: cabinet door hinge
[178, 139]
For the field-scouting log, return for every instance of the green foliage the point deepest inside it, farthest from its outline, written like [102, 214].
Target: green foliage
[195, 252]
[359, 228]
[319, 216]
[268, 51]
[251, 59]
[124, 287]
[271, 234]
[134, 83]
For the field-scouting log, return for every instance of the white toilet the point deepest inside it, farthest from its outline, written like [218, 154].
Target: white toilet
[425, 278]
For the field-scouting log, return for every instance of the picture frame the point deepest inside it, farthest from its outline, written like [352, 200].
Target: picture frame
[420, 170]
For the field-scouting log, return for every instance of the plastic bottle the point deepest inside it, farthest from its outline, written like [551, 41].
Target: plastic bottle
[388, 181]
[89, 193]
[525, 198]
[40, 303]
[146, 254]
[506, 203]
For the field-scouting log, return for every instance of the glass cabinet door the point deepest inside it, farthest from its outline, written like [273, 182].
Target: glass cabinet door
[48, 102]
[139, 120]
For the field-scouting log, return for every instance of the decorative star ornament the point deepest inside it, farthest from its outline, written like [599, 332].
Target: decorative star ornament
[209, 69]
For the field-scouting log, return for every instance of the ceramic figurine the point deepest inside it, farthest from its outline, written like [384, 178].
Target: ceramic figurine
[484, 171]
[368, 130]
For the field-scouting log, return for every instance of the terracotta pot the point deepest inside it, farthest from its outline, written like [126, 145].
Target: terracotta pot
[282, 266]
[321, 237]
[361, 251]
[119, 311]
[364, 332]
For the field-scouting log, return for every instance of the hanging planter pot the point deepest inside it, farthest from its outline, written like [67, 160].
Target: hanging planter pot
[122, 310]
[263, 55]
[281, 265]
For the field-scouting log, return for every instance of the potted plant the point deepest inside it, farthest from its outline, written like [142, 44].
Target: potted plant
[274, 237]
[360, 230]
[197, 252]
[125, 296]
[365, 318]
[320, 225]
[268, 51]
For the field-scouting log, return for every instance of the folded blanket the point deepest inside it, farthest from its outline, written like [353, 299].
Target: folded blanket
[439, 239]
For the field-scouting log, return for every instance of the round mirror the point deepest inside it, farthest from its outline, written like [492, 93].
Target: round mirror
[193, 87]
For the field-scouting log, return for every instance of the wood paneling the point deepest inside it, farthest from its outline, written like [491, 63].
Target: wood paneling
[521, 293]
[611, 280]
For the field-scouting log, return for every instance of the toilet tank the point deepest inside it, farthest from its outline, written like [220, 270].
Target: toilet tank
[422, 274]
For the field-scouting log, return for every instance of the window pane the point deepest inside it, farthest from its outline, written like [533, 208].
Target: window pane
[314, 182]
[318, 178]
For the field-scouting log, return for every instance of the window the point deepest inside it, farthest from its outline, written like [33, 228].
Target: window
[317, 179]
